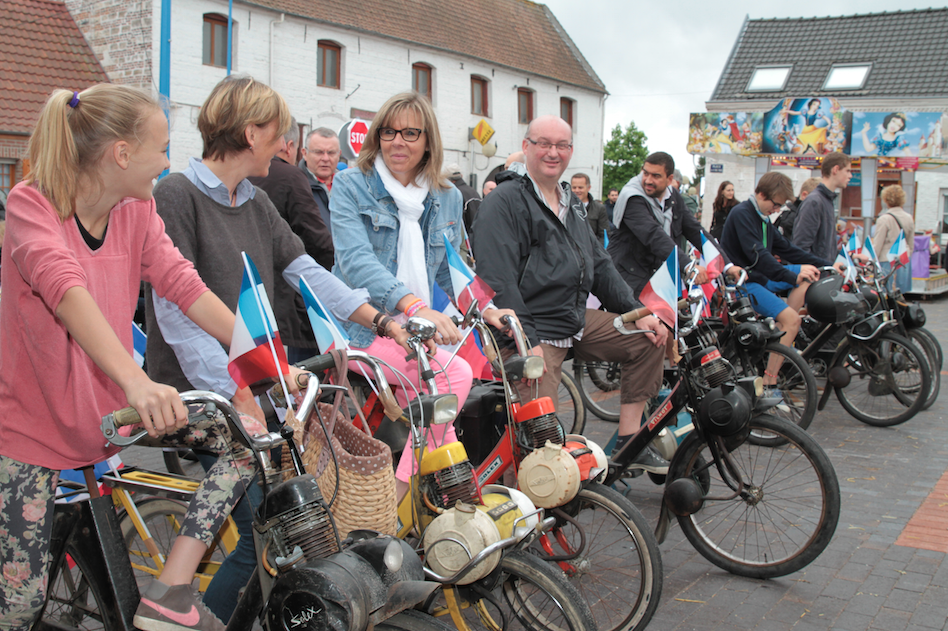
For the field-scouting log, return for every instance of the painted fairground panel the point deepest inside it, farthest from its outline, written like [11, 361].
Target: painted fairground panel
[725, 132]
[897, 134]
[811, 125]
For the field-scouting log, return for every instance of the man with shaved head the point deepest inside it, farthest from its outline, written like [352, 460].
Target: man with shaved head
[543, 260]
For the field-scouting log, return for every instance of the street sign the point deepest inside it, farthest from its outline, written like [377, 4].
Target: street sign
[352, 137]
[717, 168]
[482, 132]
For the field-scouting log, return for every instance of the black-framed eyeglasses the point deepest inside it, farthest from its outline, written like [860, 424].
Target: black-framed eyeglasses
[409, 134]
[545, 145]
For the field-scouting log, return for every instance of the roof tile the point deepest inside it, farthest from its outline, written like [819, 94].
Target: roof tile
[908, 50]
[41, 48]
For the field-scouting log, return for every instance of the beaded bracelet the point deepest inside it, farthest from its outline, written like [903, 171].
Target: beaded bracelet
[415, 307]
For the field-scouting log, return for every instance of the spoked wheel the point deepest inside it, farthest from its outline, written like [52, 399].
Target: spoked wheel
[935, 345]
[890, 379]
[527, 593]
[780, 520]
[73, 602]
[163, 517]
[795, 385]
[598, 384]
[619, 570]
[569, 407]
[923, 342]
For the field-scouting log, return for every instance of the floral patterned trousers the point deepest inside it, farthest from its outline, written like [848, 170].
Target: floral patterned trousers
[26, 508]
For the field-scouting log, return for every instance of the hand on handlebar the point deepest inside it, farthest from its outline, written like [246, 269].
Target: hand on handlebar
[245, 403]
[158, 405]
[494, 317]
[400, 335]
[808, 273]
[860, 257]
[734, 271]
[448, 332]
[653, 324]
[701, 275]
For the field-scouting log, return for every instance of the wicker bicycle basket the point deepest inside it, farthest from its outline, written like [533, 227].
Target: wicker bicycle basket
[366, 494]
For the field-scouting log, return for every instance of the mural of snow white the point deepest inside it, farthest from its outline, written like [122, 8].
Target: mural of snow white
[899, 134]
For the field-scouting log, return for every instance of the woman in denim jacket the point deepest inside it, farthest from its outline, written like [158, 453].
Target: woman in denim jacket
[389, 219]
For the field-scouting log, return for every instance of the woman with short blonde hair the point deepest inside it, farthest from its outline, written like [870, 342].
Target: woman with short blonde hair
[888, 226]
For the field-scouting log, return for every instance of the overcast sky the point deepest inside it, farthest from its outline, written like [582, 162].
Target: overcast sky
[660, 61]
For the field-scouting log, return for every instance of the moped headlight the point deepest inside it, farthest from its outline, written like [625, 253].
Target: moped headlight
[533, 367]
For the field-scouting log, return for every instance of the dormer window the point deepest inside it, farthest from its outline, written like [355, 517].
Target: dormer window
[847, 77]
[769, 79]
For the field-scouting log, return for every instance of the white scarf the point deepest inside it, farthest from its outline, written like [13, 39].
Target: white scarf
[410, 200]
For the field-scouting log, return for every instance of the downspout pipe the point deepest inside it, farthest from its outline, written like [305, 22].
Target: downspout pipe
[164, 67]
[230, 34]
[272, 24]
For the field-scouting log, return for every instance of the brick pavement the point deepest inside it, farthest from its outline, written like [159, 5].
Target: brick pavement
[865, 579]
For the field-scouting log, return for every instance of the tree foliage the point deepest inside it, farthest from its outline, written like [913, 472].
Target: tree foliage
[623, 157]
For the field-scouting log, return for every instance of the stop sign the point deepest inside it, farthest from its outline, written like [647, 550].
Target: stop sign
[355, 136]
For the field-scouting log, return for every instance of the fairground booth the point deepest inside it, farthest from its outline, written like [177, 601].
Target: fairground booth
[872, 86]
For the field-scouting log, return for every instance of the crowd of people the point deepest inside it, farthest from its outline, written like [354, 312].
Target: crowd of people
[86, 228]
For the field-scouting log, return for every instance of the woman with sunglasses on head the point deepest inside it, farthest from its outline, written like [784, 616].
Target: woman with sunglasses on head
[389, 219]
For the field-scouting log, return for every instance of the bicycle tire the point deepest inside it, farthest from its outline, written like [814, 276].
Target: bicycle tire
[795, 381]
[935, 344]
[541, 597]
[619, 572]
[598, 384]
[570, 400]
[172, 462]
[864, 398]
[410, 620]
[931, 356]
[784, 522]
[72, 601]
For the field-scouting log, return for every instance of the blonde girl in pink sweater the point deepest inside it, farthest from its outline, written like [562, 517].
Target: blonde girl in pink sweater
[82, 233]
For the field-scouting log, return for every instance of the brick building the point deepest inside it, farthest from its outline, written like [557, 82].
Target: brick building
[41, 49]
[341, 59]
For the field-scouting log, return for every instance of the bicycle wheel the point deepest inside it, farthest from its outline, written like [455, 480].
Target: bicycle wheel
[931, 357]
[72, 601]
[890, 380]
[540, 597]
[619, 571]
[784, 516]
[795, 383]
[569, 407]
[163, 518]
[598, 384]
[935, 345]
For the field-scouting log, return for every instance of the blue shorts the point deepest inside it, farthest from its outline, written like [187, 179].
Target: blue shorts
[765, 302]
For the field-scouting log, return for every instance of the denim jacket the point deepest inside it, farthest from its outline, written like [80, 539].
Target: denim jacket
[365, 237]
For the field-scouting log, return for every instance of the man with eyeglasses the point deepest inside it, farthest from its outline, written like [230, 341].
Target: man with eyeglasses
[536, 250]
[320, 159]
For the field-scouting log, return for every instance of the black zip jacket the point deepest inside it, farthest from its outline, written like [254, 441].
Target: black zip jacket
[539, 267]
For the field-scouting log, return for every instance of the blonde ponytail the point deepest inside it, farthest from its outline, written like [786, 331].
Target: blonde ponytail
[73, 132]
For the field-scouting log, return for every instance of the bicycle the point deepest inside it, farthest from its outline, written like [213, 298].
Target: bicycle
[473, 540]
[752, 509]
[302, 570]
[892, 376]
[599, 539]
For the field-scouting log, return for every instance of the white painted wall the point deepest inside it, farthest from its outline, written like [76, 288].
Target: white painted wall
[930, 204]
[373, 69]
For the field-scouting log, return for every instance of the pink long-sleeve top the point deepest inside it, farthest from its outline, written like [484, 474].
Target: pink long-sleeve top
[52, 395]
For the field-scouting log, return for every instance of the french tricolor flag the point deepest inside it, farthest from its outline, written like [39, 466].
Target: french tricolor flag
[465, 284]
[868, 249]
[843, 257]
[713, 260]
[329, 335]
[899, 250]
[853, 244]
[256, 352]
[661, 293]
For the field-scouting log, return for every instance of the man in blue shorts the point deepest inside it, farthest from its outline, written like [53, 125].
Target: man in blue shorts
[751, 241]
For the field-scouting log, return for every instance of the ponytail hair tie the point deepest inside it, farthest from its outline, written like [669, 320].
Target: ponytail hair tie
[74, 101]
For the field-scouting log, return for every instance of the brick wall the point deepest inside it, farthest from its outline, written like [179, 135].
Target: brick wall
[120, 33]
